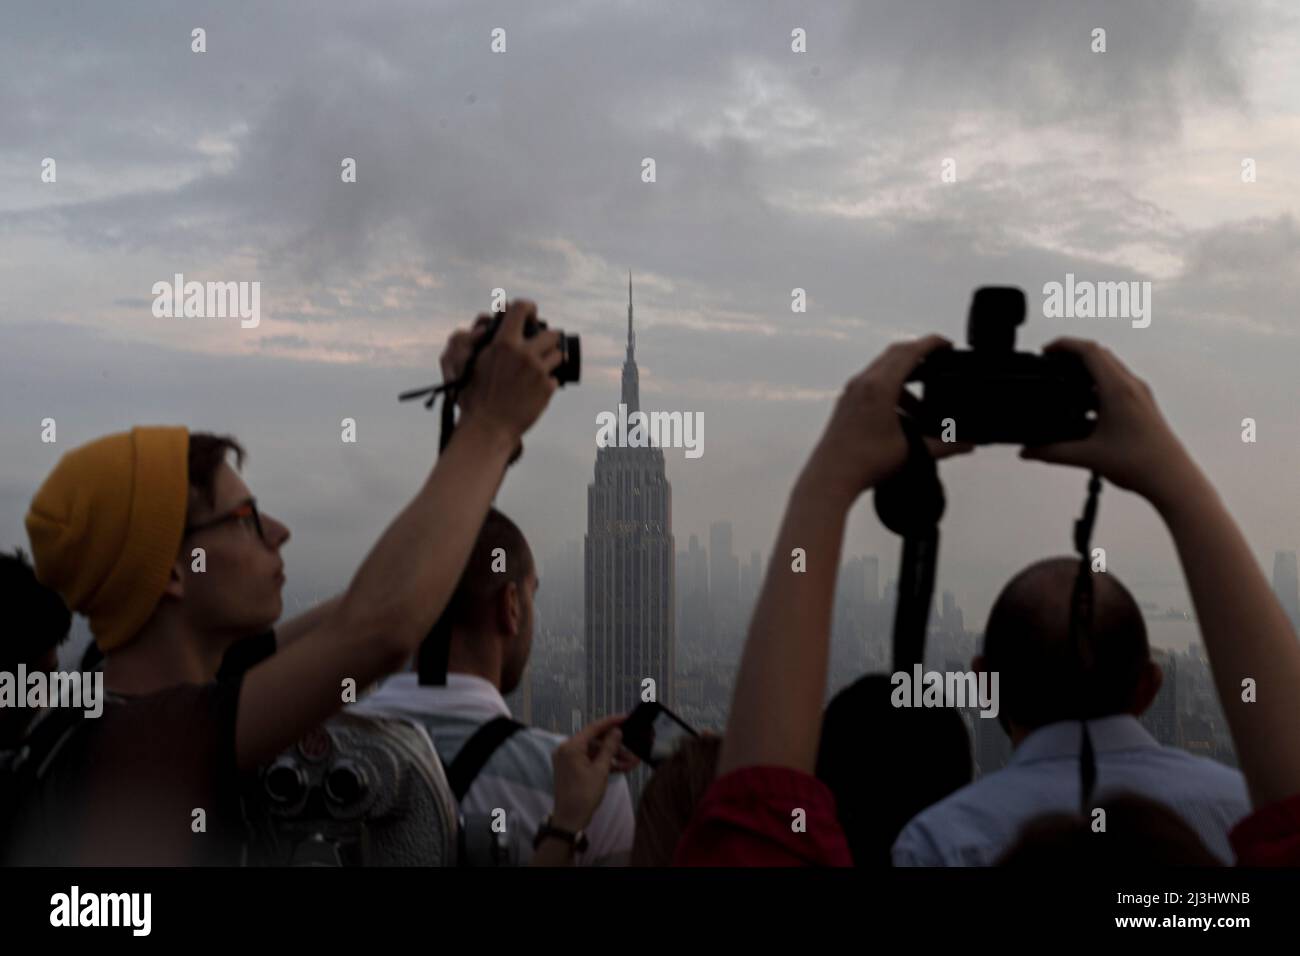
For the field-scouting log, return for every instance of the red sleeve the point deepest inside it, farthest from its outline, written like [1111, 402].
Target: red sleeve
[1270, 836]
[747, 818]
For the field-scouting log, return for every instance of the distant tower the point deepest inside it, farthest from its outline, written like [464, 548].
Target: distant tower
[629, 570]
[1286, 586]
[724, 566]
[1161, 718]
[871, 584]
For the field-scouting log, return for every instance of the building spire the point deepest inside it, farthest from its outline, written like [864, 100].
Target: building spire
[631, 336]
[631, 380]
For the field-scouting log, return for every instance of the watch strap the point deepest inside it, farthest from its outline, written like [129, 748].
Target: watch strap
[546, 829]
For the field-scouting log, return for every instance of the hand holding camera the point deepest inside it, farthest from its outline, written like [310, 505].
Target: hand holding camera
[527, 360]
[1132, 446]
[1075, 404]
[510, 374]
[864, 442]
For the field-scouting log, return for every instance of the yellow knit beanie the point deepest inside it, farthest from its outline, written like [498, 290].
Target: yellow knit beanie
[107, 525]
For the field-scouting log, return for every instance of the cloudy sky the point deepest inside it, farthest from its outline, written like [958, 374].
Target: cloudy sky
[522, 170]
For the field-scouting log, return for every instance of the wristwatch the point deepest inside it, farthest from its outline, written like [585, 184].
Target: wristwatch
[576, 840]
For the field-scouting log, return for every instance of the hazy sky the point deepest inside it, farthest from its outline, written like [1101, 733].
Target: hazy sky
[522, 170]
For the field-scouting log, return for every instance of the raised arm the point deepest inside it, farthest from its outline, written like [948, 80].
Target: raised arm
[776, 710]
[306, 622]
[410, 573]
[1246, 631]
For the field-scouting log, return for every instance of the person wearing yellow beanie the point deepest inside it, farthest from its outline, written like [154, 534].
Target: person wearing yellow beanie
[106, 525]
[156, 538]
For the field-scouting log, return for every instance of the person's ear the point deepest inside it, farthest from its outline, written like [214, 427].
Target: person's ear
[509, 609]
[175, 586]
[1148, 687]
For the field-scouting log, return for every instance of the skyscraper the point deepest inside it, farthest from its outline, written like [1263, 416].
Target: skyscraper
[1161, 718]
[724, 566]
[1286, 585]
[851, 586]
[871, 575]
[751, 580]
[990, 744]
[629, 624]
[694, 616]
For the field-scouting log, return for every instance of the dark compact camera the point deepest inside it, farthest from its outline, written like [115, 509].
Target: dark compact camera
[569, 369]
[996, 395]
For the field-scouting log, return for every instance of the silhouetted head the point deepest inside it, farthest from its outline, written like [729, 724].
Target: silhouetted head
[670, 797]
[37, 623]
[886, 764]
[1134, 831]
[1043, 678]
[490, 614]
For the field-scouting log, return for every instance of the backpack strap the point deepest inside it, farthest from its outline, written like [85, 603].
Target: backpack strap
[477, 751]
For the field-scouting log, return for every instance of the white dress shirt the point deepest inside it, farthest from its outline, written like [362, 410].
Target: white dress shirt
[518, 777]
[976, 824]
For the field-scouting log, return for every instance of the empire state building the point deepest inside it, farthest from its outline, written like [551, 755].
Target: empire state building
[629, 565]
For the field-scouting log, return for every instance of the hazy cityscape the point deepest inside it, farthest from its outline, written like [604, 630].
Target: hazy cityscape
[624, 572]
[711, 624]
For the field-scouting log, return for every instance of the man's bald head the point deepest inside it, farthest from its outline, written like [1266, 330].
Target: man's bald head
[1027, 641]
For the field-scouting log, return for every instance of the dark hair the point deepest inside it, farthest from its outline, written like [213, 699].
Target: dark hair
[1139, 832]
[886, 764]
[670, 797]
[38, 620]
[207, 453]
[479, 582]
[1027, 642]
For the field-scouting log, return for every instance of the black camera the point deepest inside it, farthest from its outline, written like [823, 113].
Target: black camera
[993, 394]
[569, 370]
[570, 367]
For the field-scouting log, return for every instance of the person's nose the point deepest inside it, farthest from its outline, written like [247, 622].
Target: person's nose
[277, 532]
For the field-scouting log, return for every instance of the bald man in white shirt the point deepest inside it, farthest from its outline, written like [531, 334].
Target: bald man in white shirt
[1027, 642]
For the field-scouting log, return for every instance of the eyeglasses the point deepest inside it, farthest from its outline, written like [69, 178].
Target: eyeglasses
[246, 513]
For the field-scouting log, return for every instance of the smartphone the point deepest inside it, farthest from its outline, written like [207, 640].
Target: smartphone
[653, 732]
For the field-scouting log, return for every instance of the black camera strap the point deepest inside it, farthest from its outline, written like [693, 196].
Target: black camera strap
[450, 392]
[1081, 604]
[910, 503]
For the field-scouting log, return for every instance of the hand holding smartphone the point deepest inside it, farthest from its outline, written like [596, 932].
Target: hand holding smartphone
[653, 732]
